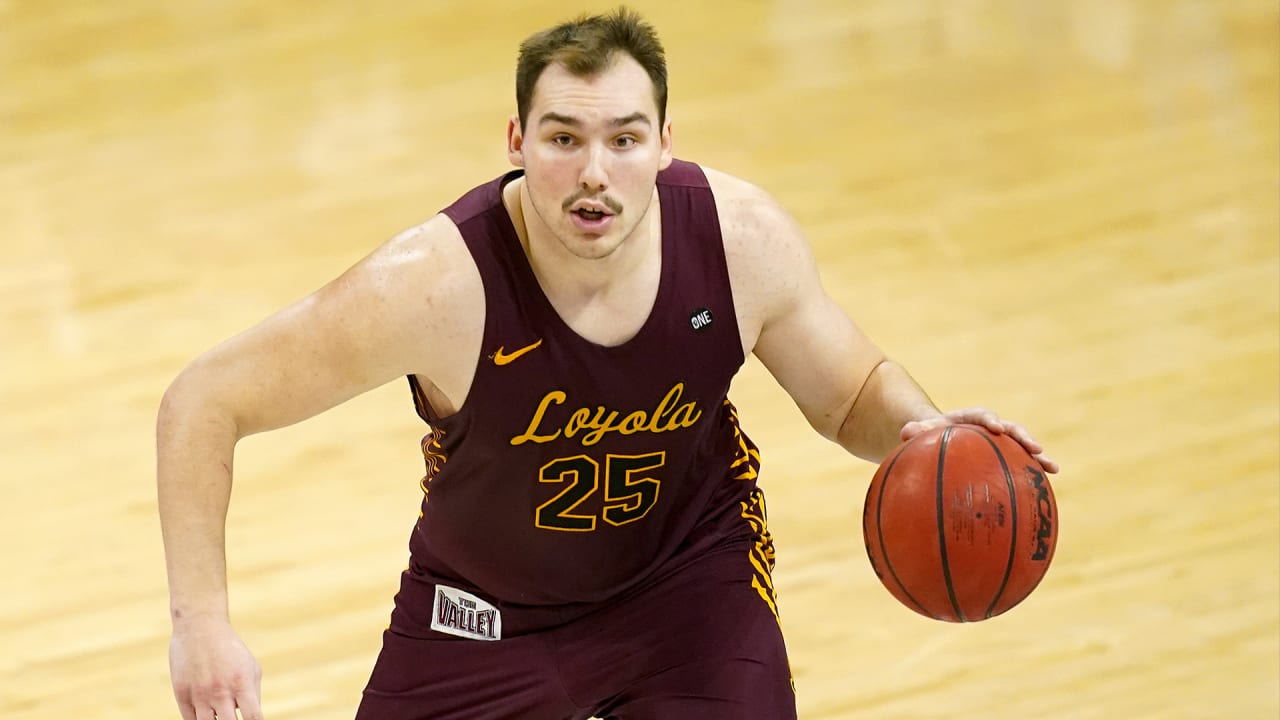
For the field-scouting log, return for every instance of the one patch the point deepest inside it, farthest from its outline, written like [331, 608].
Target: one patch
[700, 319]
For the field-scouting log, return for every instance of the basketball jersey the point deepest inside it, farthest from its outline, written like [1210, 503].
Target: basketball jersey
[573, 470]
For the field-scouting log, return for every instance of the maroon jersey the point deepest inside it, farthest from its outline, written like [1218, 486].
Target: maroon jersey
[573, 470]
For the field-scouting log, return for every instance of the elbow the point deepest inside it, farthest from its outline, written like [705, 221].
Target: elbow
[188, 404]
[178, 401]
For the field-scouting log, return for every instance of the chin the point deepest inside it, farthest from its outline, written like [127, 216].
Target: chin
[591, 247]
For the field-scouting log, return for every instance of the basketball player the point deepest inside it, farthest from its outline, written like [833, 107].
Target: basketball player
[592, 540]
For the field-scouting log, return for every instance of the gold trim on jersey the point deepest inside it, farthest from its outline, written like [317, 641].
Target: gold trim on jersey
[747, 462]
[434, 456]
[761, 557]
[762, 553]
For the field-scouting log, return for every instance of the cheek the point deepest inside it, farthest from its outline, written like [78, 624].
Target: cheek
[546, 179]
[552, 169]
[636, 189]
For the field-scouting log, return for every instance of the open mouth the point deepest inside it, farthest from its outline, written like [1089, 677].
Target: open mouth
[593, 216]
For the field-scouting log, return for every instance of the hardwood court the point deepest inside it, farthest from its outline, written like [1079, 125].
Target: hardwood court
[1064, 210]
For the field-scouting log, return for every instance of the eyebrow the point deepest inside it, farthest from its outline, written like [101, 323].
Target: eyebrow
[555, 117]
[632, 118]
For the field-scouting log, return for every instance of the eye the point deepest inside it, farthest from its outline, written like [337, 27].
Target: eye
[562, 140]
[626, 141]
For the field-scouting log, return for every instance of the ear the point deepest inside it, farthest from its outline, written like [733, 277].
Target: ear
[515, 141]
[664, 159]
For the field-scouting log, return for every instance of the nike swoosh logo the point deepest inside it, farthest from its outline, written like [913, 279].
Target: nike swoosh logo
[501, 358]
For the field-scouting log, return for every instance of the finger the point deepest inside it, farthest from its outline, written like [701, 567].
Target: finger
[1049, 466]
[909, 431]
[203, 711]
[248, 694]
[914, 428]
[979, 416]
[250, 706]
[226, 710]
[185, 707]
[1019, 433]
[990, 421]
[1034, 448]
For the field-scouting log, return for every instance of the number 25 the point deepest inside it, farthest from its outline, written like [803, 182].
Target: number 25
[626, 498]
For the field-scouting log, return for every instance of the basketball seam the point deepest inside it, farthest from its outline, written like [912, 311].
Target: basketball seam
[1013, 523]
[884, 552]
[1047, 561]
[942, 526]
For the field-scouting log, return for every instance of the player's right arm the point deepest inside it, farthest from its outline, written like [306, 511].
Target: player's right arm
[413, 306]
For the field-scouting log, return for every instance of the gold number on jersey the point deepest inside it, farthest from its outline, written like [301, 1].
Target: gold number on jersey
[628, 496]
[583, 475]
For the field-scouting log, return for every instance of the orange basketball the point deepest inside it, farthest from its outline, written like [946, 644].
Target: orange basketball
[960, 524]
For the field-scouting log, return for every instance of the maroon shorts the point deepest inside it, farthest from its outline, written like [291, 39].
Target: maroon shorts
[700, 641]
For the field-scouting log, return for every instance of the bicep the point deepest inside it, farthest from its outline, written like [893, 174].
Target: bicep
[297, 363]
[805, 339]
[357, 333]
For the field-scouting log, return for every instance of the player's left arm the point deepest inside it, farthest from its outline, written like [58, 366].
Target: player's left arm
[845, 385]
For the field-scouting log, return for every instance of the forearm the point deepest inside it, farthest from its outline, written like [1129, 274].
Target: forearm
[888, 400]
[194, 450]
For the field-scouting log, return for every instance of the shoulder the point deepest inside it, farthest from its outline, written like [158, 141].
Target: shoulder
[421, 286]
[769, 260]
[733, 188]
[751, 219]
[423, 260]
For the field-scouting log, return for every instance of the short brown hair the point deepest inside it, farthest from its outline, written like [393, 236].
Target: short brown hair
[586, 47]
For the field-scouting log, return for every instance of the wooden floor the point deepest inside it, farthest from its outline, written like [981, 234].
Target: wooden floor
[1064, 209]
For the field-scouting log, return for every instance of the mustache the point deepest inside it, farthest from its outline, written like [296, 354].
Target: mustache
[614, 206]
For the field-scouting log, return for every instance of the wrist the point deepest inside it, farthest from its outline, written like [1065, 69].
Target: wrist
[185, 615]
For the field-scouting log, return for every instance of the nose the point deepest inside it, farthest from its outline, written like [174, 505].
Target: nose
[595, 176]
